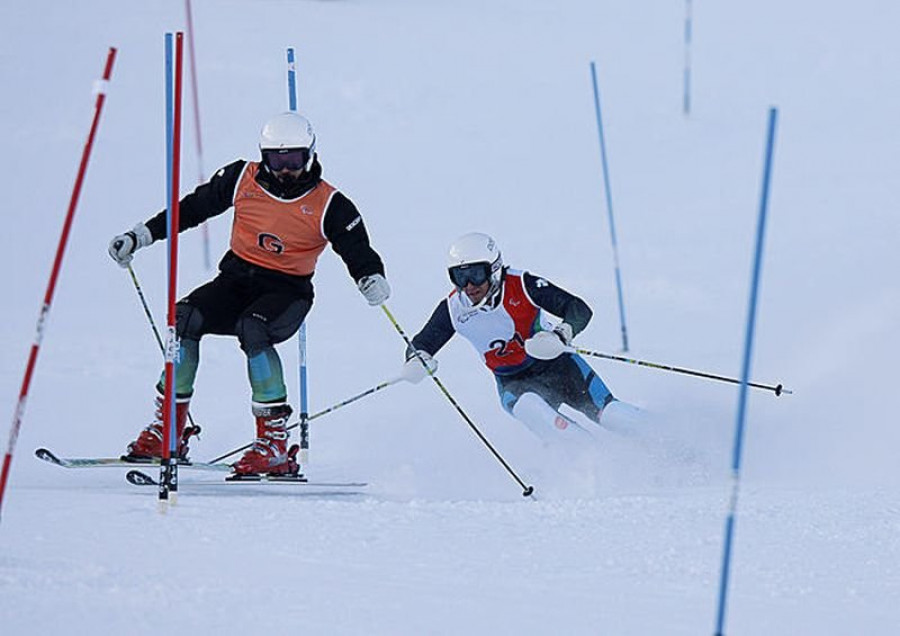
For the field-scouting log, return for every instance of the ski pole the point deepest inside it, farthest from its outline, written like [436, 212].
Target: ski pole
[526, 490]
[350, 400]
[140, 293]
[162, 348]
[778, 388]
[54, 274]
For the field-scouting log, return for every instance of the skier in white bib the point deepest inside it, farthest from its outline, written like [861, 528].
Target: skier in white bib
[502, 312]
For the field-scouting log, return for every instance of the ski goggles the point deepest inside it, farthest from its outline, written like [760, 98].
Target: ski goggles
[286, 158]
[476, 273]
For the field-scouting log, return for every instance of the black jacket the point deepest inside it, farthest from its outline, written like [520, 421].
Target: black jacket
[342, 222]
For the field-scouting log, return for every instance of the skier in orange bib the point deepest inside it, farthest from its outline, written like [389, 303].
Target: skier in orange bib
[284, 216]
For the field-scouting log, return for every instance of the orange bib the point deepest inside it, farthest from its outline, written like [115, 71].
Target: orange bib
[280, 234]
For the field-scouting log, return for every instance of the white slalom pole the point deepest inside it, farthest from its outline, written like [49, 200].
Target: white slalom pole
[745, 374]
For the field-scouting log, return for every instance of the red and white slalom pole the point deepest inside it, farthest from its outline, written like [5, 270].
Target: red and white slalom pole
[168, 480]
[57, 264]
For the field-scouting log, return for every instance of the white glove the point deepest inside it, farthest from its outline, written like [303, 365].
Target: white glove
[546, 345]
[414, 371]
[123, 246]
[375, 288]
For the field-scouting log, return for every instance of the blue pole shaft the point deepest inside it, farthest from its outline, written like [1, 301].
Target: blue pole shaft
[292, 80]
[301, 335]
[745, 374]
[170, 126]
[609, 208]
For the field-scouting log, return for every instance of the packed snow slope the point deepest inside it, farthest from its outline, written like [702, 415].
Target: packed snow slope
[439, 118]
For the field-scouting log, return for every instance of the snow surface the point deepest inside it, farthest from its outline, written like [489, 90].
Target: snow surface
[440, 118]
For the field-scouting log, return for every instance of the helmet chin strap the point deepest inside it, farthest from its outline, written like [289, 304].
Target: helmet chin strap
[493, 294]
[489, 298]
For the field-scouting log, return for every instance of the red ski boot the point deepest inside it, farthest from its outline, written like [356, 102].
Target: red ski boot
[149, 444]
[269, 454]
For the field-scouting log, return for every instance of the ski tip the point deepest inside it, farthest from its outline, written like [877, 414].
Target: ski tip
[138, 478]
[47, 456]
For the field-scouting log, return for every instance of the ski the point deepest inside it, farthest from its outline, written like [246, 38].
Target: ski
[139, 478]
[99, 462]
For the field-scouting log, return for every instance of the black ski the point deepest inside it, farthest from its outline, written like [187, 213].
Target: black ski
[139, 478]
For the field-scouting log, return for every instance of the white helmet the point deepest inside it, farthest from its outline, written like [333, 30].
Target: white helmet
[288, 131]
[475, 258]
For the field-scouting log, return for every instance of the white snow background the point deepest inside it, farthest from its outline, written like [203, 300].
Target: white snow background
[438, 118]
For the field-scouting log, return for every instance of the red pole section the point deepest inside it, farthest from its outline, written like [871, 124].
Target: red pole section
[169, 430]
[57, 264]
[194, 91]
[176, 186]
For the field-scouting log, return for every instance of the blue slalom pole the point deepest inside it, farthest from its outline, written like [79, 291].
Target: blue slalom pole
[170, 126]
[292, 80]
[609, 208]
[301, 335]
[168, 478]
[745, 374]
[688, 27]
[168, 470]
